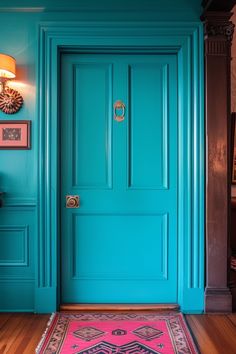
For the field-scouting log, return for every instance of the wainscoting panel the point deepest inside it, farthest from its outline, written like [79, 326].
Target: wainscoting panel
[14, 250]
[17, 258]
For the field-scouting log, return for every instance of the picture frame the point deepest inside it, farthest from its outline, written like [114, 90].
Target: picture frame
[233, 147]
[15, 134]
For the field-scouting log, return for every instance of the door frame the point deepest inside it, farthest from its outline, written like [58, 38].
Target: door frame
[185, 40]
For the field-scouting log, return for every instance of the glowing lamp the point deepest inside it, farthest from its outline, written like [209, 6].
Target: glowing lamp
[7, 67]
[10, 100]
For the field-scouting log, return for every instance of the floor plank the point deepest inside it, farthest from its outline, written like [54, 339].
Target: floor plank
[232, 318]
[4, 318]
[21, 333]
[214, 334]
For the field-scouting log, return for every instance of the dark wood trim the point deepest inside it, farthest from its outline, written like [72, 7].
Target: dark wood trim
[233, 203]
[119, 307]
[218, 30]
[232, 131]
[218, 300]
[218, 5]
[232, 282]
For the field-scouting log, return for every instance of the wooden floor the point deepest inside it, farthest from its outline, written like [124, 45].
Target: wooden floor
[215, 334]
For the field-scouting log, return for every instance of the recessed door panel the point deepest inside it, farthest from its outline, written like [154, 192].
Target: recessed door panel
[131, 232]
[119, 245]
[91, 125]
[148, 126]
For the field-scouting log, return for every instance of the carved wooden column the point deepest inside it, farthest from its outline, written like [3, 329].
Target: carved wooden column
[218, 37]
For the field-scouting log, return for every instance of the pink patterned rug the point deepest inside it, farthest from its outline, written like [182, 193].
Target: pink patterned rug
[108, 333]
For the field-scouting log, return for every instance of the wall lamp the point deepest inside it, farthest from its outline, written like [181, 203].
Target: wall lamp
[10, 100]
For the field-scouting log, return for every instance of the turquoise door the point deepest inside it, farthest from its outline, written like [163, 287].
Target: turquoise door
[120, 245]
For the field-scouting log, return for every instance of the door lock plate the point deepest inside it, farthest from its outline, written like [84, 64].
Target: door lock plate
[72, 201]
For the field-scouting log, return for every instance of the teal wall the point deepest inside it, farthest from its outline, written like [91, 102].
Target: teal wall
[19, 37]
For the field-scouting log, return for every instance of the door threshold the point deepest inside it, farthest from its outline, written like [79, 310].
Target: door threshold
[119, 307]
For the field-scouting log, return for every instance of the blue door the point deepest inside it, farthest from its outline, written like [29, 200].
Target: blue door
[120, 244]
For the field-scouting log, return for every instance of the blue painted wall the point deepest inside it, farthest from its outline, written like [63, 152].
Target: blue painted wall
[18, 169]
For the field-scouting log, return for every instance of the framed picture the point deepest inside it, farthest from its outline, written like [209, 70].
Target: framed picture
[233, 145]
[15, 134]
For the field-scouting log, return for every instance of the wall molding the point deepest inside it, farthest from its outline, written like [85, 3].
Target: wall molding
[19, 203]
[24, 231]
[12, 279]
[18, 235]
[93, 7]
[21, 9]
[185, 40]
[24, 299]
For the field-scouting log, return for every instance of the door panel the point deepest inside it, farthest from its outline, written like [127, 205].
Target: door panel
[148, 144]
[121, 244]
[130, 267]
[91, 163]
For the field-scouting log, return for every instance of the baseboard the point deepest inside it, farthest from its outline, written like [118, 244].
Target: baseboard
[119, 307]
[218, 300]
[45, 300]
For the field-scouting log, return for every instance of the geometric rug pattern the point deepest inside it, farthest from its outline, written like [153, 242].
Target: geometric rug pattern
[117, 333]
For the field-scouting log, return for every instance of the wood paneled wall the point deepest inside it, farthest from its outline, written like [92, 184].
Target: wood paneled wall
[218, 37]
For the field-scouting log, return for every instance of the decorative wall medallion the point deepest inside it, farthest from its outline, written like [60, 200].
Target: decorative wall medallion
[10, 101]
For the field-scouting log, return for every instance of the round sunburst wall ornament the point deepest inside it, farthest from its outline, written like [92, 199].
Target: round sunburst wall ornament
[10, 101]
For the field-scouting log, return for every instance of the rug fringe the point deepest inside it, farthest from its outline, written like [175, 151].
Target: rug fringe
[39, 346]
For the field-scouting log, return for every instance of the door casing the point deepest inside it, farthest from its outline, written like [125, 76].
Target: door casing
[185, 40]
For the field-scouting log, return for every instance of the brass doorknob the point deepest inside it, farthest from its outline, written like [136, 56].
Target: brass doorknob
[72, 201]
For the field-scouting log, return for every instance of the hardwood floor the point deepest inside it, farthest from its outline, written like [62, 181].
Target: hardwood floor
[20, 333]
[214, 334]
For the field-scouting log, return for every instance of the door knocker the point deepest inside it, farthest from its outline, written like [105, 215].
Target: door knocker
[119, 105]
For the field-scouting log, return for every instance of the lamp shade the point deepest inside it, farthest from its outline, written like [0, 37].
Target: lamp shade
[7, 66]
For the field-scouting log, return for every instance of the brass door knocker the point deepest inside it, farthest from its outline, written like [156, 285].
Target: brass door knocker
[119, 105]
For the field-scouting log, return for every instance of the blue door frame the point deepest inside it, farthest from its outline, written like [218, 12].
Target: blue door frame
[185, 40]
